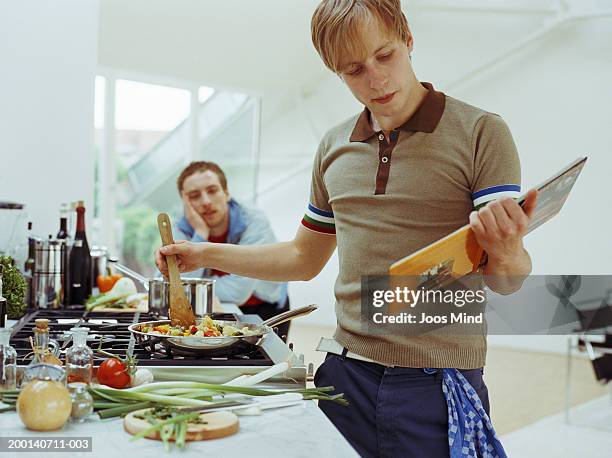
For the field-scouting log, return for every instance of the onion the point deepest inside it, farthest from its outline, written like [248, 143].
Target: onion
[44, 405]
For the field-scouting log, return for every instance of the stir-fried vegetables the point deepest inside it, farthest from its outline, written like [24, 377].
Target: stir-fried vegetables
[206, 328]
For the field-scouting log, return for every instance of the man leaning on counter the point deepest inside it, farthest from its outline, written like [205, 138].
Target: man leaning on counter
[412, 167]
[210, 214]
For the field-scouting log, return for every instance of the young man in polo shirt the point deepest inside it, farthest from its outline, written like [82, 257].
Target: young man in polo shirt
[412, 167]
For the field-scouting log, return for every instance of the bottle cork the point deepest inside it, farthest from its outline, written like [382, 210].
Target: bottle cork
[42, 324]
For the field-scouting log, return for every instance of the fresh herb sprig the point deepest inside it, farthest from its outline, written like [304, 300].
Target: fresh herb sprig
[170, 423]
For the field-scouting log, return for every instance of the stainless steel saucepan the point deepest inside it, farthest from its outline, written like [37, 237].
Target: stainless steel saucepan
[203, 345]
[199, 291]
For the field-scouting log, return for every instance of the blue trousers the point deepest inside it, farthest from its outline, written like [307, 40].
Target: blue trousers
[393, 411]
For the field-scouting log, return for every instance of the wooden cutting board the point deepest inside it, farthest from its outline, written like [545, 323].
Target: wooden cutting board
[119, 310]
[217, 308]
[218, 424]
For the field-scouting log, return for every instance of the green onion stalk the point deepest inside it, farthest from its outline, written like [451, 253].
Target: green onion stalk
[111, 402]
[9, 397]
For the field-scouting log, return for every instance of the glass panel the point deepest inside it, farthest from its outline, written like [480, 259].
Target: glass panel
[145, 114]
[152, 145]
[204, 93]
[99, 106]
[151, 137]
[232, 149]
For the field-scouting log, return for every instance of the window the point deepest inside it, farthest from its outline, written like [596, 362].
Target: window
[153, 137]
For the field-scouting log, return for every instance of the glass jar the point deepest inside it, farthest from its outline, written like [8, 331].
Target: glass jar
[43, 347]
[82, 402]
[79, 358]
[43, 371]
[8, 361]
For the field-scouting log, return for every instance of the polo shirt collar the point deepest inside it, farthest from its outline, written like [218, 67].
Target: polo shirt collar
[425, 119]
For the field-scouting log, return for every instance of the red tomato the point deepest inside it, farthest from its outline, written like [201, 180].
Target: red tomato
[114, 373]
[209, 333]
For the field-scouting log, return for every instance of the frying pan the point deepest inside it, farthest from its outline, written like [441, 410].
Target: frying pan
[205, 345]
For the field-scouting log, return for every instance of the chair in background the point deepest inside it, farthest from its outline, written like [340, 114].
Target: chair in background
[595, 338]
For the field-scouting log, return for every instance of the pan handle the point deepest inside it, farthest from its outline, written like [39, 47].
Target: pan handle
[126, 270]
[290, 315]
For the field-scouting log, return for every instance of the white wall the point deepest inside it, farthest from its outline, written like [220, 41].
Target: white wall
[291, 140]
[556, 97]
[48, 52]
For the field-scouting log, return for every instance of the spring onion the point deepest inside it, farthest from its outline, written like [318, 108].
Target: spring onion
[261, 376]
[111, 402]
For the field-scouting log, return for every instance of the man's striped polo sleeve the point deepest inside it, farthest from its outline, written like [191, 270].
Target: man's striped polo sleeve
[497, 169]
[319, 220]
[480, 198]
[319, 216]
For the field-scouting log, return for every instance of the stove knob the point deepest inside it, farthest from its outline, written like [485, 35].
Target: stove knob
[291, 346]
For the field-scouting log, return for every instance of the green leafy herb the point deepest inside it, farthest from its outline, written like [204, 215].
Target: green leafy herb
[13, 288]
[170, 423]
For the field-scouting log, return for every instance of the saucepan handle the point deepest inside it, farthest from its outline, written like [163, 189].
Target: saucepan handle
[290, 315]
[126, 270]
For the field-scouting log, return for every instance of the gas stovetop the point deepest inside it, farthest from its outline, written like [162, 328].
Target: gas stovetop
[112, 330]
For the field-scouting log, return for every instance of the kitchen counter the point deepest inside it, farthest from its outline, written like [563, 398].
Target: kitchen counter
[297, 431]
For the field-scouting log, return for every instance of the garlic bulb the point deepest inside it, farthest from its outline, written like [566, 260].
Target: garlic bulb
[141, 376]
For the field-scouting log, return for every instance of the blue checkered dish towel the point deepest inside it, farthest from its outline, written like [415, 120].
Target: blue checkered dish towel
[470, 432]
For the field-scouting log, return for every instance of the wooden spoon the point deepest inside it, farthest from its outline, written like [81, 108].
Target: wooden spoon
[181, 312]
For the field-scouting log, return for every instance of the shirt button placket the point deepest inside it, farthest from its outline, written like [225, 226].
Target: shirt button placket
[384, 155]
[384, 148]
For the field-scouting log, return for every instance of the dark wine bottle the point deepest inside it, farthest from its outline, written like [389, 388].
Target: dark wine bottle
[63, 235]
[63, 230]
[80, 262]
[29, 264]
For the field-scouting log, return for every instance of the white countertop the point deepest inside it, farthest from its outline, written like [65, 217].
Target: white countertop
[231, 308]
[297, 431]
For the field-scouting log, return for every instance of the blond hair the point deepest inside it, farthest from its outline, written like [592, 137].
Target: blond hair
[336, 23]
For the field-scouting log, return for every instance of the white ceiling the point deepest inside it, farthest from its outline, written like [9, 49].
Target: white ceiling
[264, 47]
[261, 46]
